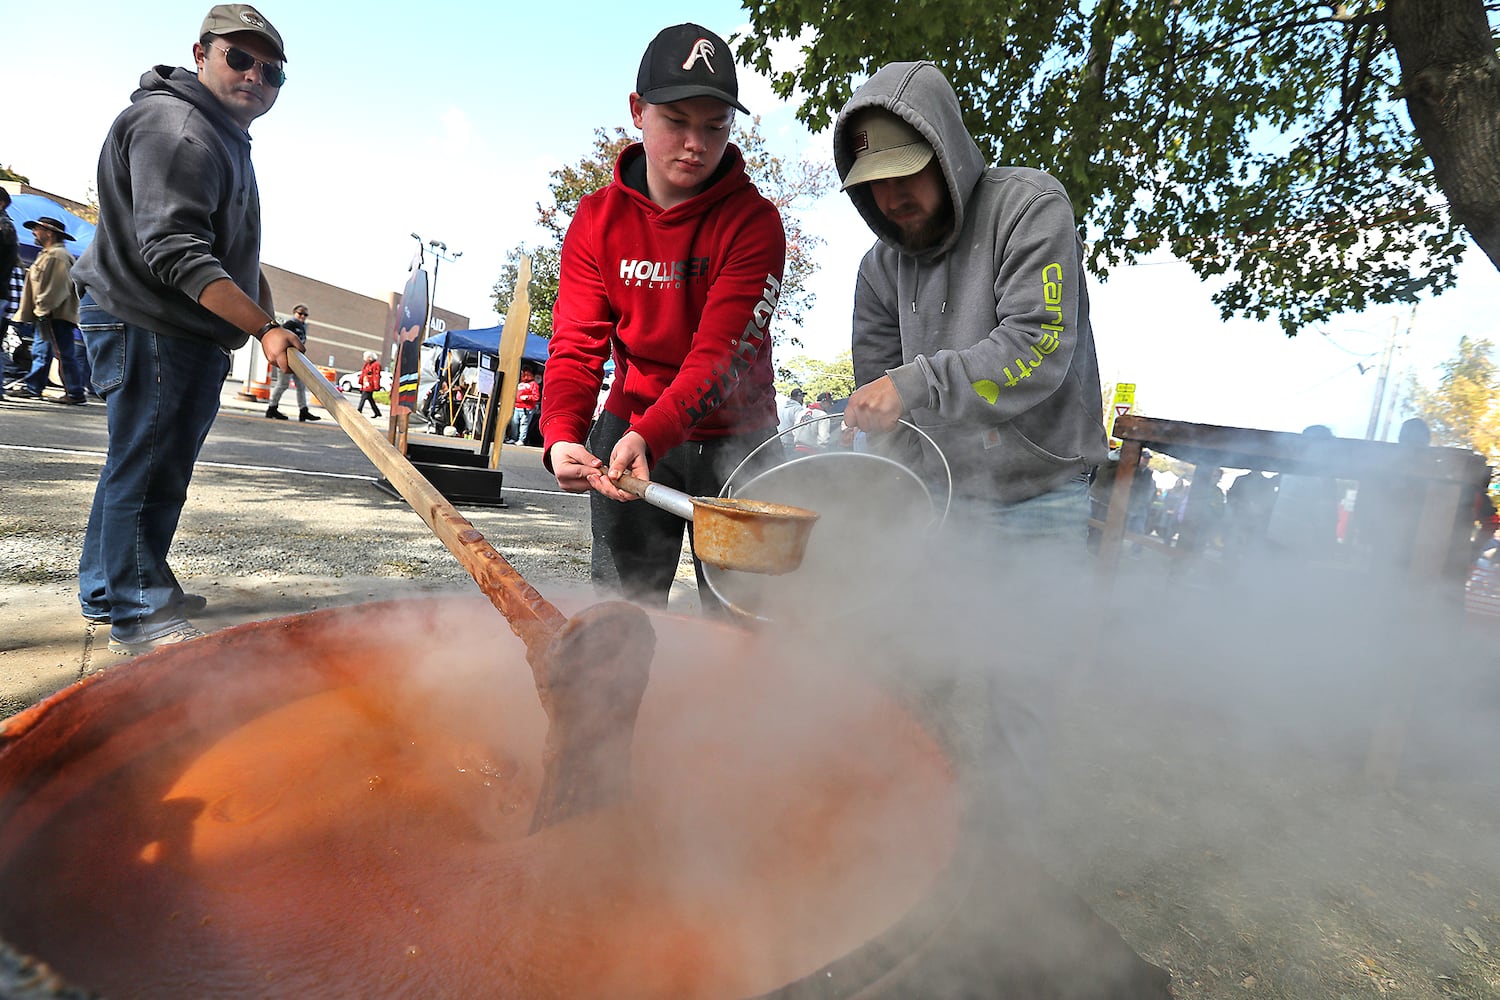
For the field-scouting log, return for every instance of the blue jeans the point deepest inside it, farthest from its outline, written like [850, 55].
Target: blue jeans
[63, 332]
[81, 352]
[637, 546]
[1049, 530]
[162, 394]
[523, 424]
[1059, 516]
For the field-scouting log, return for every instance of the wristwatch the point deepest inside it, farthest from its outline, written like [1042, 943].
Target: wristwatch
[266, 329]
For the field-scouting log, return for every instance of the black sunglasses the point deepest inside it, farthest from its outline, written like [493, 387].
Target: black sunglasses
[240, 61]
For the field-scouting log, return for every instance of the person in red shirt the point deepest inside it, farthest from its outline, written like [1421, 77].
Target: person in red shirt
[675, 269]
[369, 384]
[528, 394]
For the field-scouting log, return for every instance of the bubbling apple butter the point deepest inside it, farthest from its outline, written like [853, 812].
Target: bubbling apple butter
[345, 814]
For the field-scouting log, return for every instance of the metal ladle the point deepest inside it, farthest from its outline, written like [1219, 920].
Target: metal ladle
[749, 536]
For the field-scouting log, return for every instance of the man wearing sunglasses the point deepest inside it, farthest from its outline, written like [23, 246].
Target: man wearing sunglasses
[298, 325]
[172, 284]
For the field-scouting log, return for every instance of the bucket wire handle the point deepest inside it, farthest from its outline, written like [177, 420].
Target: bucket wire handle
[727, 489]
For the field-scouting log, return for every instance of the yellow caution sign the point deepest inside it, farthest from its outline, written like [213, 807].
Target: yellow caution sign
[1123, 404]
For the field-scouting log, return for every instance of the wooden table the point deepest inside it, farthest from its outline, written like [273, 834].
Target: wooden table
[1449, 478]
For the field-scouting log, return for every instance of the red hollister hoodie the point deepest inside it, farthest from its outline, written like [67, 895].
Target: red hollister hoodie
[682, 296]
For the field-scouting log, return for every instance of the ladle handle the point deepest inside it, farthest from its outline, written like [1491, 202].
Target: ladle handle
[670, 500]
[531, 616]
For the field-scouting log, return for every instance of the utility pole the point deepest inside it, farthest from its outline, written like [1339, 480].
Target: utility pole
[1394, 373]
[1380, 380]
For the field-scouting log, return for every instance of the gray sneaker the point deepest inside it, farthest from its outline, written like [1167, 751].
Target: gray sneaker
[188, 604]
[180, 634]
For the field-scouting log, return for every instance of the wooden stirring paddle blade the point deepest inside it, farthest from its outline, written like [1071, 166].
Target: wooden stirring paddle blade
[591, 688]
[590, 670]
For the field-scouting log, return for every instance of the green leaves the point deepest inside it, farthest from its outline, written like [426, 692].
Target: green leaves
[1463, 409]
[1254, 138]
[542, 291]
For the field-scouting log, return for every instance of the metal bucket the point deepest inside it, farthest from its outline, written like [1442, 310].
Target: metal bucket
[875, 514]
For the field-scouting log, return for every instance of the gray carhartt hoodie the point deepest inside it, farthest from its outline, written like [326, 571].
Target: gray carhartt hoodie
[178, 210]
[985, 335]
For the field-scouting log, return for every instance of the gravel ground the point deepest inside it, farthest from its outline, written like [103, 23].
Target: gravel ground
[258, 545]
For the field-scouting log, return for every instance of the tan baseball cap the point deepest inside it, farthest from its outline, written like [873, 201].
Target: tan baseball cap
[883, 146]
[228, 18]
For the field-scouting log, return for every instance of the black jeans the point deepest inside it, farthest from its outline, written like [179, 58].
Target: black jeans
[637, 546]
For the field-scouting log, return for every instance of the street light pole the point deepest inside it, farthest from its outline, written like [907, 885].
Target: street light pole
[439, 254]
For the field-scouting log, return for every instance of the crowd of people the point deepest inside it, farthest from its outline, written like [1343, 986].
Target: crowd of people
[41, 305]
[1000, 368]
[808, 428]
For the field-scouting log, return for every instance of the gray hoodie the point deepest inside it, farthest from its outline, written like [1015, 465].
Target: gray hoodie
[178, 210]
[986, 335]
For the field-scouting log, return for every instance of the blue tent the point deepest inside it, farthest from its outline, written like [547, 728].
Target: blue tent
[30, 207]
[488, 341]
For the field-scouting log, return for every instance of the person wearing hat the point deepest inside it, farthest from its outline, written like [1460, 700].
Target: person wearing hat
[675, 269]
[49, 301]
[971, 312]
[788, 411]
[298, 325]
[971, 321]
[171, 286]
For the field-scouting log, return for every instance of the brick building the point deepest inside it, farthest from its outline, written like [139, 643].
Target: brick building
[342, 325]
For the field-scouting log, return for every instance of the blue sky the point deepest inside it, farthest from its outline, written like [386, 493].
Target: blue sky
[444, 119]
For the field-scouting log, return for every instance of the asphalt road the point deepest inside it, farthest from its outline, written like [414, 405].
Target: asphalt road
[282, 517]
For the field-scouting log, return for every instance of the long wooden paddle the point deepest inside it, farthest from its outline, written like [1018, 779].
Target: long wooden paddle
[590, 670]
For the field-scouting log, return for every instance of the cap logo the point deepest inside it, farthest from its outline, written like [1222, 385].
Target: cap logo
[861, 142]
[253, 19]
[702, 49]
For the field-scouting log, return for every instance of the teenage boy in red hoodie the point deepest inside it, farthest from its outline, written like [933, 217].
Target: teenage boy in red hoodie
[675, 269]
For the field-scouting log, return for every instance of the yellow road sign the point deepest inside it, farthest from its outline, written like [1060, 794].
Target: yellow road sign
[1123, 404]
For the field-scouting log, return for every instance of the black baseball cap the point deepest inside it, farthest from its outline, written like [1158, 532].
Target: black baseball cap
[688, 60]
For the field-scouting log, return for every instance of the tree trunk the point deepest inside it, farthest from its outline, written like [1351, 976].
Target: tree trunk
[1451, 78]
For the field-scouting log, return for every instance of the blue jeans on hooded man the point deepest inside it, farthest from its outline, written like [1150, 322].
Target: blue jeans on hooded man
[162, 394]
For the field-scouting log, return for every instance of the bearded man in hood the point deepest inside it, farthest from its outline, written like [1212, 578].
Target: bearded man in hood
[971, 320]
[971, 312]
